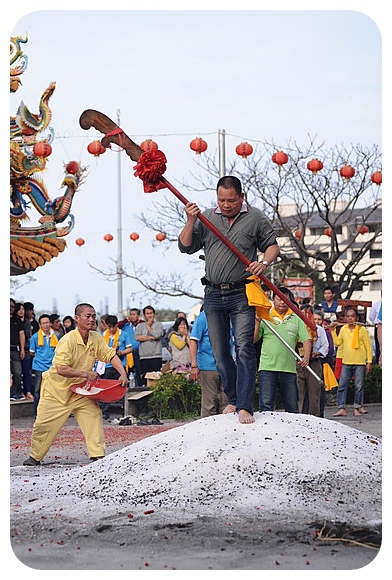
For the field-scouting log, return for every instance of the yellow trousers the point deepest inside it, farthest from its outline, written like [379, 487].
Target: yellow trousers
[52, 416]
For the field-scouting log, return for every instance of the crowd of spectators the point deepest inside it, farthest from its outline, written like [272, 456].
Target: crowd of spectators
[343, 344]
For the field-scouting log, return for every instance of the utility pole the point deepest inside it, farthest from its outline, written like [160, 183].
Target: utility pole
[119, 235]
[222, 152]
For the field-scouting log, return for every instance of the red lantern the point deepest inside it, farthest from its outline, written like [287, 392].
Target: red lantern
[72, 167]
[198, 145]
[160, 237]
[134, 236]
[244, 149]
[79, 242]
[328, 232]
[96, 148]
[149, 145]
[298, 234]
[362, 229]
[376, 178]
[108, 237]
[315, 165]
[347, 172]
[42, 149]
[280, 158]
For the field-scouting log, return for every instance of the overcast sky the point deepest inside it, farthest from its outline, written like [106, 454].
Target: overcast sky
[175, 75]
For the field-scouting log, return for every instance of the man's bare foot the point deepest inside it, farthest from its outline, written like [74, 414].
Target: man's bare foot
[357, 413]
[245, 417]
[362, 410]
[229, 409]
[340, 413]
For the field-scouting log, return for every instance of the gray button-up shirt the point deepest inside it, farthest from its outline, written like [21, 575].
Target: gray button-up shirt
[249, 232]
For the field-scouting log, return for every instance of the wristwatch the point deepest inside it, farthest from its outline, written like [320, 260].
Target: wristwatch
[265, 263]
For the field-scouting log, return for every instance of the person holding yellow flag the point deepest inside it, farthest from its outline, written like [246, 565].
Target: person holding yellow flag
[278, 365]
[356, 361]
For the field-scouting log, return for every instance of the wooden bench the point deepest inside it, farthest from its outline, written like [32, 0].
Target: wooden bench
[130, 399]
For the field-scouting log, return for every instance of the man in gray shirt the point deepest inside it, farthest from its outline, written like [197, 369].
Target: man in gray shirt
[225, 299]
[149, 334]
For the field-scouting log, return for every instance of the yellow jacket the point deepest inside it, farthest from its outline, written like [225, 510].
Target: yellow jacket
[361, 355]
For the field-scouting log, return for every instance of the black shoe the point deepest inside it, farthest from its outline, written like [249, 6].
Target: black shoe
[96, 458]
[125, 421]
[31, 462]
[143, 422]
[156, 421]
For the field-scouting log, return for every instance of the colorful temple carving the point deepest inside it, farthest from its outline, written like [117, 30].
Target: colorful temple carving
[32, 246]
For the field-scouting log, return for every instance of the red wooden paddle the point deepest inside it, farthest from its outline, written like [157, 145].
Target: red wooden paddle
[114, 134]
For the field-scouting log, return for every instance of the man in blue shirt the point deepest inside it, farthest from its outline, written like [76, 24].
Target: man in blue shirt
[128, 325]
[119, 340]
[42, 347]
[329, 304]
[203, 369]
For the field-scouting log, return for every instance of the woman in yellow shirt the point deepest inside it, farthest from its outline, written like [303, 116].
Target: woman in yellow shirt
[179, 344]
[357, 359]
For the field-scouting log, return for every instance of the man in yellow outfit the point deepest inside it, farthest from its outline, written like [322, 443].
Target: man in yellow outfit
[74, 359]
[357, 361]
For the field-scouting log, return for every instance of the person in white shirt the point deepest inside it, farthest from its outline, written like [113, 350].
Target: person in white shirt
[308, 386]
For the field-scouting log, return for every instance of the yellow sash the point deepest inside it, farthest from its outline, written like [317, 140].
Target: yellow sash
[115, 336]
[355, 341]
[53, 339]
[130, 361]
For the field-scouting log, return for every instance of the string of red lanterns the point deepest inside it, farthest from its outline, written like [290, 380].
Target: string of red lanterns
[160, 236]
[134, 236]
[199, 145]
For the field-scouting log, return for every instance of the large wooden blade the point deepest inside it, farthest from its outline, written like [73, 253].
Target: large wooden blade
[91, 118]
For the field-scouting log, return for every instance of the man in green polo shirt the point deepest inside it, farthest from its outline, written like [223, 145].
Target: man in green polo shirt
[277, 367]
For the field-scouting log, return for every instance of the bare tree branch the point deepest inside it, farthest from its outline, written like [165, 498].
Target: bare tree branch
[317, 201]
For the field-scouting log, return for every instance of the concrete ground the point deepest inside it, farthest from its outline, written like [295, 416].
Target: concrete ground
[202, 544]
